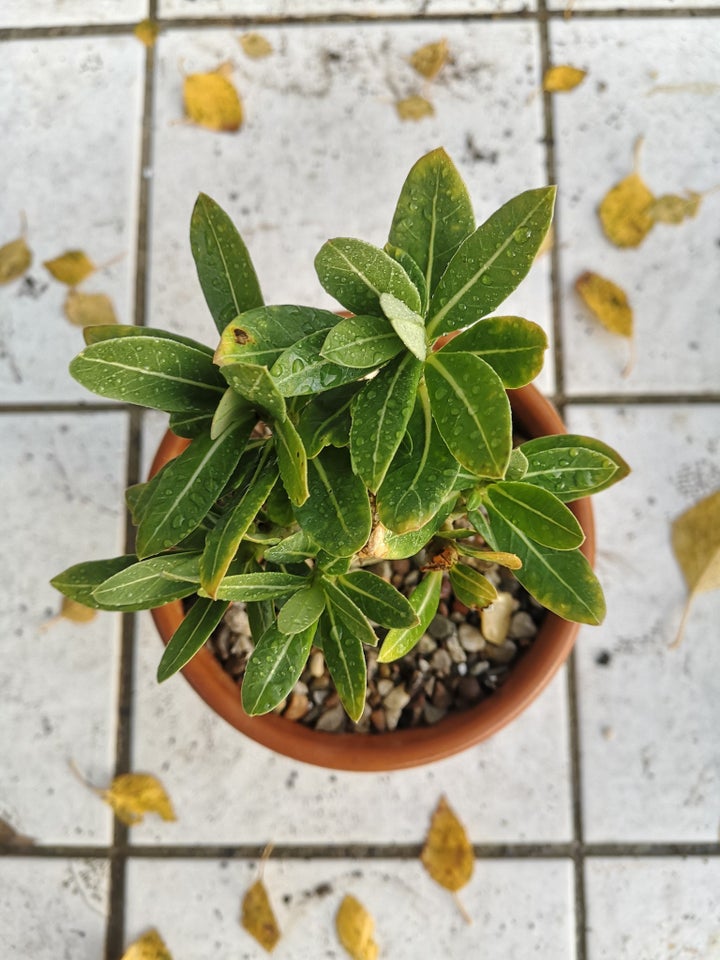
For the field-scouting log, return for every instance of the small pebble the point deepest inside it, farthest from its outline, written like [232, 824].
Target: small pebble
[392, 718]
[441, 662]
[377, 719]
[500, 653]
[442, 697]
[470, 638]
[462, 669]
[332, 720]
[397, 699]
[482, 666]
[298, 705]
[440, 627]
[423, 665]
[469, 688]
[237, 619]
[317, 664]
[522, 626]
[432, 713]
[495, 619]
[454, 648]
[426, 644]
[280, 707]
[384, 687]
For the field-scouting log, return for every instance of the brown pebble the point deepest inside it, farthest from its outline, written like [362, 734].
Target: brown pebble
[384, 670]
[500, 653]
[441, 697]
[469, 688]
[441, 662]
[377, 719]
[432, 713]
[459, 607]
[297, 707]
[331, 720]
[402, 566]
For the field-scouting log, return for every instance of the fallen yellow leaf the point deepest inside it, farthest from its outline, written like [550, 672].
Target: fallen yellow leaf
[212, 101]
[150, 946]
[610, 305]
[89, 309]
[447, 855]
[255, 45]
[147, 32]
[71, 267]
[429, 59]
[696, 543]
[355, 929]
[414, 108]
[562, 78]
[15, 258]
[76, 612]
[258, 917]
[624, 211]
[132, 795]
[673, 208]
[9, 837]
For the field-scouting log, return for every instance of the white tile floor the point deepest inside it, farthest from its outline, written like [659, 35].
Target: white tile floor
[597, 812]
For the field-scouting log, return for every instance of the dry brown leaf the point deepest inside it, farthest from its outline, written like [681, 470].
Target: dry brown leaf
[212, 101]
[560, 79]
[9, 837]
[355, 929]
[76, 612]
[696, 543]
[255, 45]
[447, 855]
[147, 32]
[15, 259]
[150, 946]
[258, 917]
[610, 305]
[673, 208]
[414, 108]
[89, 309]
[71, 267]
[429, 59]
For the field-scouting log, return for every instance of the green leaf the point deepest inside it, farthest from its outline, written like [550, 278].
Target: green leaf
[332, 566]
[380, 416]
[79, 581]
[345, 658]
[513, 347]
[133, 500]
[150, 371]
[197, 625]
[421, 476]
[224, 267]
[361, 342]
[471, 410]
[325, 419]
[561, 580]
[398, 546]
[231, 409]
[274, 668]
[113, 331]
[249, 587]
[433, 215]
[255, 384]
[377, 599]
[186, 490]
[351, 613]
[192, 424]
[424, 600]
[407, 324]
[302, 610]
[356, 273]
[572, 466]
[260, 336]
[261, 616]
[417, 277]
[292, 461]
[540, 515]
[517, 466]
[144, 585]
[471, 587]
[293, 549]
[224, 539]
[278, 509]
[301, 370]
[337, 514]
[491, 263]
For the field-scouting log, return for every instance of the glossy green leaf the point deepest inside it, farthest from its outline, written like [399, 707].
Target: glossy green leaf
[517, 466]
[471, 587]
[514, 348]
[278, 508]
[540, 515]
[150, 371]
[274, 668]
[224, 267]
[361, 342]
[337, 514]
[413, 271]
[380, 415]
[261, 616]
[424, 600]
[186, 490]
[292, 461]
[407, 324]
[192, 424]
[572, 466]
[79, 581]
[398, 546]
[356, 273]
[345, 658]
[377, 599]
[196, 627]
[224, 539]
[302, 610]
[249, 587]
[490, 264]
[260, 336]
[471, 410]
[301, 369]
[113, 331]
[231, 409]
[134, 495]
[293, 549]
[325, 419]
[144, 584]
[561, 580]
[433, 215]
[332, 566]
[420, 477]
[351, 612]
[255, 384]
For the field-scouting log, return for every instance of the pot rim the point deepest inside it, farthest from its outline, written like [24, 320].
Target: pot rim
[399, 749]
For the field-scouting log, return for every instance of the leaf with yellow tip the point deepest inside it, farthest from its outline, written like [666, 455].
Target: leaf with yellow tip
[212, 101]
[258, 917]
[672, 208]
[132, 795]
[414, 108]
[15, 259]
[150, 946]
[89, 309]
[447, 854]
[561, 79]
[71, 267]
[147, 32]
[429, 59]
[355, 929]
[255, 45]
[696, 544]
[610, 305]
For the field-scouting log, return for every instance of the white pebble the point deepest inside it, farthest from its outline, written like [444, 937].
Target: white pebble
[495, 619]
[470, 638]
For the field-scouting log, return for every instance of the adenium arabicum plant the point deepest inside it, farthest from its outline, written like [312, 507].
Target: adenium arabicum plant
[320, 444]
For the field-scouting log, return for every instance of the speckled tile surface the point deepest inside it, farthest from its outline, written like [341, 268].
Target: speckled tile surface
[52, 13]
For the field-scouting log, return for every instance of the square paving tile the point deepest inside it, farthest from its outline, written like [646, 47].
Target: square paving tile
[69, 165]
[518, 910]
[63, 481]
[659, 79]
[650, 714]
[51, 13]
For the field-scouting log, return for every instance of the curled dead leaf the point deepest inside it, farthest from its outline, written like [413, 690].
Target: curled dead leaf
[610, 305]
[448, 855]
[132, 795]
[15, 259]
[356, 929]
[673, 208]
[150, 946]
[255, 45]
[429, 59]
[9, 837]
[696, 544]
[147, 32]
[71, 267]
[212, 101]
[563, 78]
[89, 309]
[414, 108]
[258, 917]
[624, 211]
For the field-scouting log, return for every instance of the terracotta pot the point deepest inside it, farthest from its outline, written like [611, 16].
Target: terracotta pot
[401, 748]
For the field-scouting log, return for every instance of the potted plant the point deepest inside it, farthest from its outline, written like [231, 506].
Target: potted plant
[310, 444]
